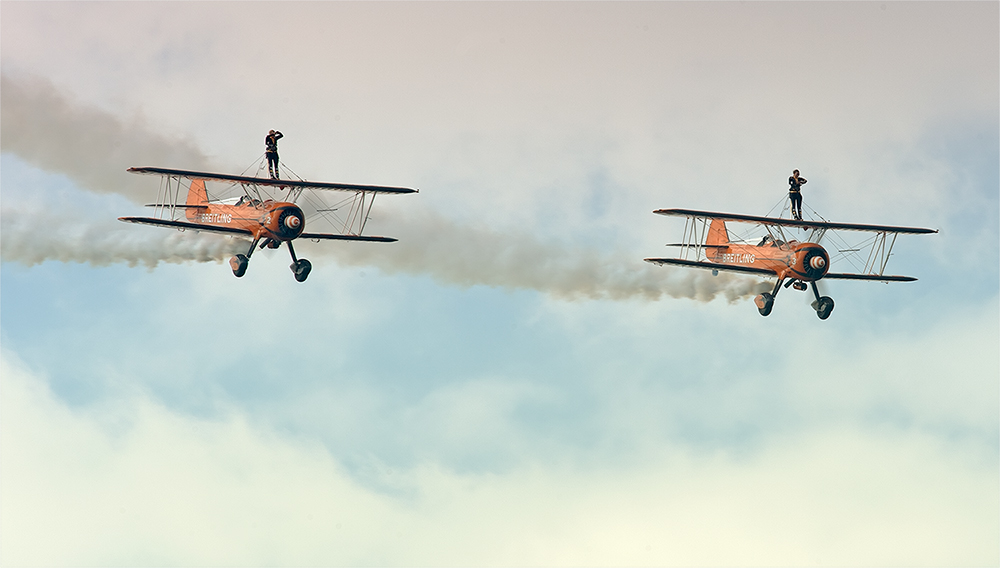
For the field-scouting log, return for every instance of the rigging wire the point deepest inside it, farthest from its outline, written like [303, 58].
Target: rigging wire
[780, 205]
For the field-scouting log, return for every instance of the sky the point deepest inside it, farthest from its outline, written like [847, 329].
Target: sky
[509, 383]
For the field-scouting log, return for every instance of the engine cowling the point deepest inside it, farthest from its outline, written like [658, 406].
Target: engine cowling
[285, 221]
[811, 261]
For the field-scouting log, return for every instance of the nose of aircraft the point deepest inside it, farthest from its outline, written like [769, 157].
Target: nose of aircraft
[817, 262]
[293, 222]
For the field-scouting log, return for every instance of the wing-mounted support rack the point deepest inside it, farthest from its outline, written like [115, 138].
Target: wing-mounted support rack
[816, 236]
[294, 193]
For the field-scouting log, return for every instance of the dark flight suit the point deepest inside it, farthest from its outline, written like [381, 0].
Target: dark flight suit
[271, 151]
[795, 195]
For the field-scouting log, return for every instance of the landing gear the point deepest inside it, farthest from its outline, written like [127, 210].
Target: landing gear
[823, 304]
[300, 266]
[240, 262]
[765, 301]
[823, 307]
[301, 269]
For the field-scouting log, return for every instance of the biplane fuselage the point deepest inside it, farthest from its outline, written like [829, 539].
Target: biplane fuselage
[276, 220]
[806, 262]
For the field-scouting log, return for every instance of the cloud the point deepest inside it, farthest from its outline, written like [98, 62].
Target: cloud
[47, 129]
[93, 148]
[130, 482]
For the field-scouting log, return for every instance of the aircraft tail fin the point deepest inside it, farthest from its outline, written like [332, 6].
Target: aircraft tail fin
[718, 235]
[197, 195]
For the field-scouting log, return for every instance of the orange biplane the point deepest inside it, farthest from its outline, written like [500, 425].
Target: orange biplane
[707, 244]
[254, 214]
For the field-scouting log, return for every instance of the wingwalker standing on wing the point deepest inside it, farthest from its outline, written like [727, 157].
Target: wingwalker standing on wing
[271, 151]
[799, 264]
[795, 184]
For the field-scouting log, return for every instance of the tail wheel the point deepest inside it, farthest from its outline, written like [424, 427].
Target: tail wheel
[764, 303]
[300, 268]
[824, 307]
[239, 265]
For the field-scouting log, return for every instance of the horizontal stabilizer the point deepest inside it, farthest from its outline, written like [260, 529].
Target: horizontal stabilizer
[697, 246]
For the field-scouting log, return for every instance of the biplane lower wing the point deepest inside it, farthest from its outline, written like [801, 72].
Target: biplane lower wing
[713, 266]
[792, 222]
[870, 277]
[335, 237]
[246, 233]
[187, 226]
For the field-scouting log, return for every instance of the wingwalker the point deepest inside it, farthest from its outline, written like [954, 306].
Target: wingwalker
[797, 264]
[253, 214]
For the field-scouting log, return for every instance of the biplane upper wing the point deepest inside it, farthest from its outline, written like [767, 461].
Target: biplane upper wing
[713, 266]
[272, 182]
[792, 222]
[186, 225]
[339, 237]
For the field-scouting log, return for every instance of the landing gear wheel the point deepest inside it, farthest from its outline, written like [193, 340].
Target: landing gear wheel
[823, 307]
[764, 303]
[239, 265]
[301, 268]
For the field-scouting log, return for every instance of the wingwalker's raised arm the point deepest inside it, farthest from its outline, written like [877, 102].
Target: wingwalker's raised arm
[796, 264]
[266, 222]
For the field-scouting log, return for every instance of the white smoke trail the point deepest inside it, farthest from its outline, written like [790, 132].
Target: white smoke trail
[94, 148]
[32, 236]
[471, 256]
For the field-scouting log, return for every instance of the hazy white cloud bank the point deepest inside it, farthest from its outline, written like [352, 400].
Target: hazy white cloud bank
[131, 482]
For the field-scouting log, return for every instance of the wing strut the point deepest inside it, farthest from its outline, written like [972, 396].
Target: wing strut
[879, 254]
[358, 215]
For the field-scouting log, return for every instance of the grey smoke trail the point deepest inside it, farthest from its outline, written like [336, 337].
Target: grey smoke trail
[93, 147]
[44, 128]
[68, 238]
[471, 256]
